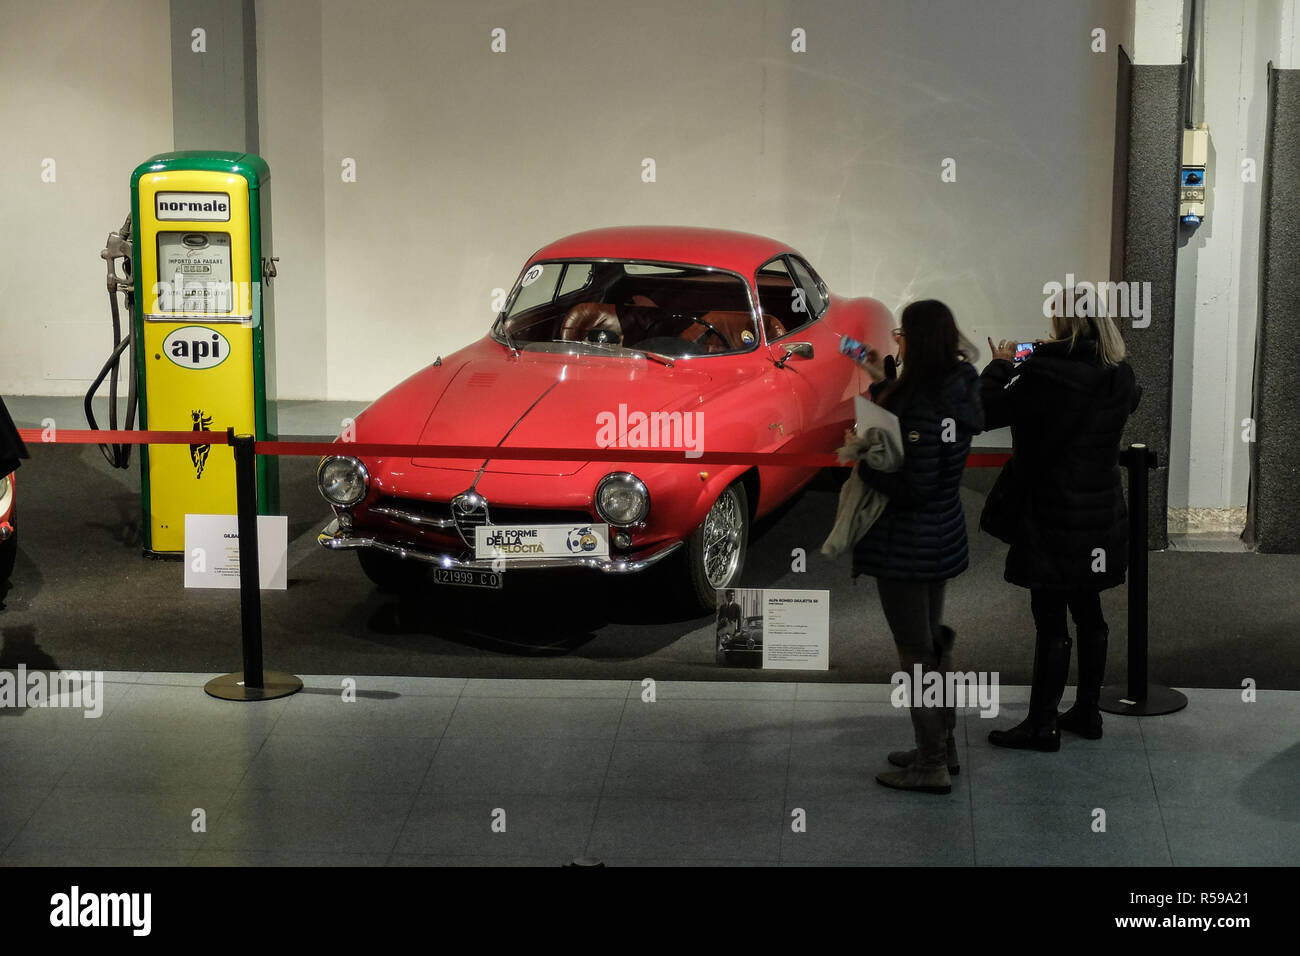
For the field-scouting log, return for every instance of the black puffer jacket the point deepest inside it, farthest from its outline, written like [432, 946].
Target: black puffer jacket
[922, 533]
[1066, 411]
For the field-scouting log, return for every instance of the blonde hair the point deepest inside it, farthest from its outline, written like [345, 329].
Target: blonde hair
[1098, 328]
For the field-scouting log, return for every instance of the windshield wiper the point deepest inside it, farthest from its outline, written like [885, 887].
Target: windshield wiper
[621, 348]
[505, 332]
[657, 357]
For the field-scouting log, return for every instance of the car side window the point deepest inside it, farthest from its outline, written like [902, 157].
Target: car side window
[785, 303]
[537, 287]
[576, 276]
[811, 286]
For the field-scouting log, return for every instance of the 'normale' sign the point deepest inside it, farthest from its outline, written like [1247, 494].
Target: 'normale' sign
[192, 207]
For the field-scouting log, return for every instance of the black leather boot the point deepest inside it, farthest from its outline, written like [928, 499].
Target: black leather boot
[1039, 731]
[1084, 718]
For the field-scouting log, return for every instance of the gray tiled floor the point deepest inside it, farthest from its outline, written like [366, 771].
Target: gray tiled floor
[431, 772]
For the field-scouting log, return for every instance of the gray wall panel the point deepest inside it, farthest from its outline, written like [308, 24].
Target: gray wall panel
[1274, 518]
[1145, 244]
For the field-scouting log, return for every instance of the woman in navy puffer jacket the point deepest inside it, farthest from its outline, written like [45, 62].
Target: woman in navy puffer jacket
[919, 542]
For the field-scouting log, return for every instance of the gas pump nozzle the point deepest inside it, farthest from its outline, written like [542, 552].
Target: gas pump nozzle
[117, 247]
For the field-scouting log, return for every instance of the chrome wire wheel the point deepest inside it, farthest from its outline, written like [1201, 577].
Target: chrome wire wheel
[723, 538]
[714, 556]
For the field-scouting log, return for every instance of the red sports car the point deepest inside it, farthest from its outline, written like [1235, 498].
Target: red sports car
[639, 338]
[8, 528]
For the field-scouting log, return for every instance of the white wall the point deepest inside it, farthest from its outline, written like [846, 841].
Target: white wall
[1218, 268]
[87, 84]
[291, 133]
[468, 160]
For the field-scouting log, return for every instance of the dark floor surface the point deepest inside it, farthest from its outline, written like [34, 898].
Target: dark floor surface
[82, 596]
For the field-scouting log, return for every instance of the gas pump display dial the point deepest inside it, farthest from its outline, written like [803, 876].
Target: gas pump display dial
[194, 272]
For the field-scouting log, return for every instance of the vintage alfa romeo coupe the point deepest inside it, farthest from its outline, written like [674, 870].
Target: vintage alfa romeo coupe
[685, 339]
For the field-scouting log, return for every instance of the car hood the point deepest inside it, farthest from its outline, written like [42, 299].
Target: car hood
[542, 401]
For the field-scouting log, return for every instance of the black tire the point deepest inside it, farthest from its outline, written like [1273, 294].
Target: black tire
[9, 548]
[391, 574]
[699, 590]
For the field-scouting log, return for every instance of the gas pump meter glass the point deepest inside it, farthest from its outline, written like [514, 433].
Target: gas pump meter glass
[194, 272]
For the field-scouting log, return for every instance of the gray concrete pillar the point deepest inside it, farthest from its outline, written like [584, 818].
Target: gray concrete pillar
[214, 74]
[1273, 518]
[1144, 248]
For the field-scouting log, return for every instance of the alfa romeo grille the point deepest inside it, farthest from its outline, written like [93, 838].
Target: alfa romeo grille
[469, 510]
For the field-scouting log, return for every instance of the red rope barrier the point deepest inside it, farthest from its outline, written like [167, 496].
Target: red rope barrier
[89, 436]
[317, 449]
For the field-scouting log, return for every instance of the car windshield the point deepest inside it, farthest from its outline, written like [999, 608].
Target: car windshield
[627, 307]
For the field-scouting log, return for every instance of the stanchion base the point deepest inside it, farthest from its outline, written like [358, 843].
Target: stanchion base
[274, 684]
[1159, 700]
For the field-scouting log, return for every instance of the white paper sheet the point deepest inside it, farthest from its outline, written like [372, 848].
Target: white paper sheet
[871, 415]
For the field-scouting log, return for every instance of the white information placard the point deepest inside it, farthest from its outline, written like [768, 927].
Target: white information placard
[212, 551]
[797, 630]
[774, 629]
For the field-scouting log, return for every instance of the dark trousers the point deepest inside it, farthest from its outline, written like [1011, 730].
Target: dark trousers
[1052, 651]
[914, 610]
[1049, 611]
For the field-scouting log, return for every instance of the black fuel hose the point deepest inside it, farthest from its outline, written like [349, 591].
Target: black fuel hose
[119, 456]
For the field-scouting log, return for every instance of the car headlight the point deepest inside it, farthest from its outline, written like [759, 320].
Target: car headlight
[342, 480]
[622, 499]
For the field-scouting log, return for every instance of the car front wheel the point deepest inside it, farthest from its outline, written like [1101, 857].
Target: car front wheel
[715, 552]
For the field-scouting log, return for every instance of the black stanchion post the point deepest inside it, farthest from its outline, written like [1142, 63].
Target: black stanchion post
[250, 577]
[1139, 698]
[254, 683]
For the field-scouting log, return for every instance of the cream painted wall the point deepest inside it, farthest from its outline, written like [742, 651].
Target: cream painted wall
[1218, 266]
[290, 110]
[468, 160]
[86, 84]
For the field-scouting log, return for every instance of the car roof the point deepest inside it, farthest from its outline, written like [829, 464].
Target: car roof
[740, 252]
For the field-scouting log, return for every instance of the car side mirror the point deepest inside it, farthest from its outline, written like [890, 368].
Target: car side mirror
[801, 349]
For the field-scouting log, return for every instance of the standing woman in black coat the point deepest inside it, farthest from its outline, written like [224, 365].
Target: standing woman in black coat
[1060, 504]
[919, 540]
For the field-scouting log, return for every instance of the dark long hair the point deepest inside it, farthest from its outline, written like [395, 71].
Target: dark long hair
[934, 348]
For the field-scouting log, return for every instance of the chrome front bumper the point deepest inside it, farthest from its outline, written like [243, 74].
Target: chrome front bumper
[336, 539]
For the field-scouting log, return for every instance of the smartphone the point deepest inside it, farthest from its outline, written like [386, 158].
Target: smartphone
[853, 348]
[1024, 350]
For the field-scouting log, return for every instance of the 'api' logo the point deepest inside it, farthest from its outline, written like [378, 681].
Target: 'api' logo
[196, 346]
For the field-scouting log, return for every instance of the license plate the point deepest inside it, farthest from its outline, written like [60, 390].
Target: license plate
[470, 578]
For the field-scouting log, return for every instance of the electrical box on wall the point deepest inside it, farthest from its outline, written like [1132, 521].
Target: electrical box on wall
[1196, 149]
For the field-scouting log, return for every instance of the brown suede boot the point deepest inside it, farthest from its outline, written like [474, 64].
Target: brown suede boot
[905, 758]
[928, 772]
[943, 651]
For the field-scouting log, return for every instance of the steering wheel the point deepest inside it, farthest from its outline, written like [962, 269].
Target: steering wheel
[710, 330]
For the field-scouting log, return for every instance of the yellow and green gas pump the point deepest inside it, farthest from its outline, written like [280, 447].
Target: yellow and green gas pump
[202, 330]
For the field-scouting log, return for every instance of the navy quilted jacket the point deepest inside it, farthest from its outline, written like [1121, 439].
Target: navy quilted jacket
[922, 533]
